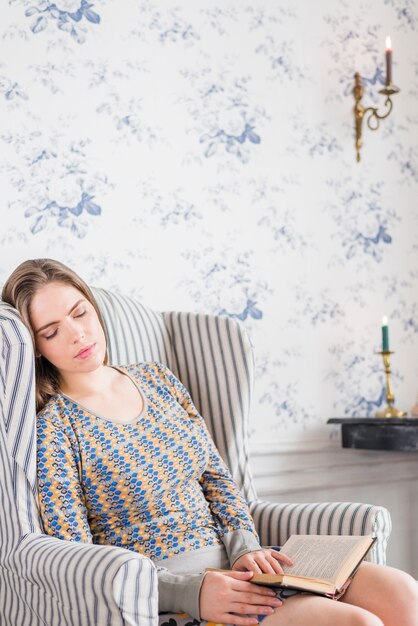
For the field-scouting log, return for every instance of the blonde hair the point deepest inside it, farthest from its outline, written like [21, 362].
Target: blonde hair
[19, 290]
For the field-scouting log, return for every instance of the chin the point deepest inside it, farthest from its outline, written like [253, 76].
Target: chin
[97, 361]
[92, 363]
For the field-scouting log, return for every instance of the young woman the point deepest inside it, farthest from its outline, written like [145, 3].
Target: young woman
[125, 459]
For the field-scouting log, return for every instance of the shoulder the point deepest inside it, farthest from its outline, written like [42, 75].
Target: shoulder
[150, 371]
[54, 431]
[53, 414]
[51, 408]
[157, 377]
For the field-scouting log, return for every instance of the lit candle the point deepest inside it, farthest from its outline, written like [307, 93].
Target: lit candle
[385, 335]
[388, 61]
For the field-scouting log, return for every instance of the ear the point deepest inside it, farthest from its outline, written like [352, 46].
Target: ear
[37, 354]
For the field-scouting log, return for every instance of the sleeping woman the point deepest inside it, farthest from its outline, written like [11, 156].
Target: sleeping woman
[124, 459]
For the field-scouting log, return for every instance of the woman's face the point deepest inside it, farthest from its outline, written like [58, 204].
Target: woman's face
[66, 328]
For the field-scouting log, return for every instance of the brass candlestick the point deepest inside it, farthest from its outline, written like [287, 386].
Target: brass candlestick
[360, 112]
[390, 410]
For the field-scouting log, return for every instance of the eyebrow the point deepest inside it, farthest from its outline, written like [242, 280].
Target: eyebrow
[52, 323]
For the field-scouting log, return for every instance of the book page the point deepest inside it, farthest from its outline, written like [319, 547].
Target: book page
[319, 556]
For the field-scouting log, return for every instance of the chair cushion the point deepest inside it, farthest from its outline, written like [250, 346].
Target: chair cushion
[17, 400]
[135, 333]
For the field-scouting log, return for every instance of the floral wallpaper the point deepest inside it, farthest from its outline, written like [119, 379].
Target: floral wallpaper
[200, 156]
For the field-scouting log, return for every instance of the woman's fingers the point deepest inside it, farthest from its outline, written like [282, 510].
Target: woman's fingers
[256, 590]
[254, 600]
[266, 564]
[256, 594]
[274, 564]
[265, 561]
[226, 593]
[253, 594]
[280, 556]
[255, 567]
[230, 618]
[248, 609]
[235, 573]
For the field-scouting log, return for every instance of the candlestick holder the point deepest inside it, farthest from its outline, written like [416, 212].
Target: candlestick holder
[390, 410]
[373, 117]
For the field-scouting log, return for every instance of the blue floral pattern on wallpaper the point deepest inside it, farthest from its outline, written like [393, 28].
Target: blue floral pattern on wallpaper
[66, 216]
[201, 156]
[67, 15]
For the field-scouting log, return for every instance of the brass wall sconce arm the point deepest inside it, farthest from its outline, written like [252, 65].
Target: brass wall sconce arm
[371, 113]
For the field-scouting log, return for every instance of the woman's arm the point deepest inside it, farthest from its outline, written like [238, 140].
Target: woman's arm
[228, 507]
[61, 499]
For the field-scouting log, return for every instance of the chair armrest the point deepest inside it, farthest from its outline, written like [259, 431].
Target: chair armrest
[85, 584]
[276, 522]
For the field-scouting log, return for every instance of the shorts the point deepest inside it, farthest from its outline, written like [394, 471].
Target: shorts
[282, 594]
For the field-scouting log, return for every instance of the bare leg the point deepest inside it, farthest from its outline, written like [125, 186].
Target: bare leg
[304, 610]
[386, 592]
[377, 596]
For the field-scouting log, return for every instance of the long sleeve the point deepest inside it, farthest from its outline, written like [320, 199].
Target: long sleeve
[61, 499]
[227, 505]
[179, 593]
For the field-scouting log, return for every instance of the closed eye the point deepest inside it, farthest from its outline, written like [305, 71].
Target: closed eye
[54, 334]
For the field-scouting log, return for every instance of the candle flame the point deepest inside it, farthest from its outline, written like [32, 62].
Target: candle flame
[384, 321]
[388, 43]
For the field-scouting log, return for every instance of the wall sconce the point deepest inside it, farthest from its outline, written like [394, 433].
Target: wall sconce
[373, 117]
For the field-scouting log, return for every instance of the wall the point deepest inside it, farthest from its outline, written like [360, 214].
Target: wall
[201, 156]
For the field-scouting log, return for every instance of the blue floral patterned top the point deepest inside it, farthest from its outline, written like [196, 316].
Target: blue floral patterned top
[156, 485]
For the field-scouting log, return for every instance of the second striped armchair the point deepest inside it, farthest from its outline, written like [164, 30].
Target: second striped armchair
[49, 582]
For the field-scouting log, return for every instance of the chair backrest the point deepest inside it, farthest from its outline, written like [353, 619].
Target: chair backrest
[9, 520]
[19, 513]
[214, 359]
[211, 355]
[134, 332]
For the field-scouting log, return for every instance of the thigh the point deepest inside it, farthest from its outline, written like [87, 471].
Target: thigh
[305, 609]
[385, 591]
[370, 582]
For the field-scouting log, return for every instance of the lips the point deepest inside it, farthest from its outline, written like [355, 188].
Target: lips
[84, 353]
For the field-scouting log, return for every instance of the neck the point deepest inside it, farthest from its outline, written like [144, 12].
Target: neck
[85, 383]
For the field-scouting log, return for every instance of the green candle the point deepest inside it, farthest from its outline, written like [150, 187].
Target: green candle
[385, 335]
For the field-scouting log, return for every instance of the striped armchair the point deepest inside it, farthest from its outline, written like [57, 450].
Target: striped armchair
[49, 582]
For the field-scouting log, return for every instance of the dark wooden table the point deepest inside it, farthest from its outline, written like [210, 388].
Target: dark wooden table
[375, 433]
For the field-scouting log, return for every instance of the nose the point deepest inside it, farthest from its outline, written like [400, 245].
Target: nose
[76, 331]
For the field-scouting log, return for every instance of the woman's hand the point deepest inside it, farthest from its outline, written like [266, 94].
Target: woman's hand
[222, 595]
[264, 561]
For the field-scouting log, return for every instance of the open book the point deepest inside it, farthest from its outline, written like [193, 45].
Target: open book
[323, 564]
